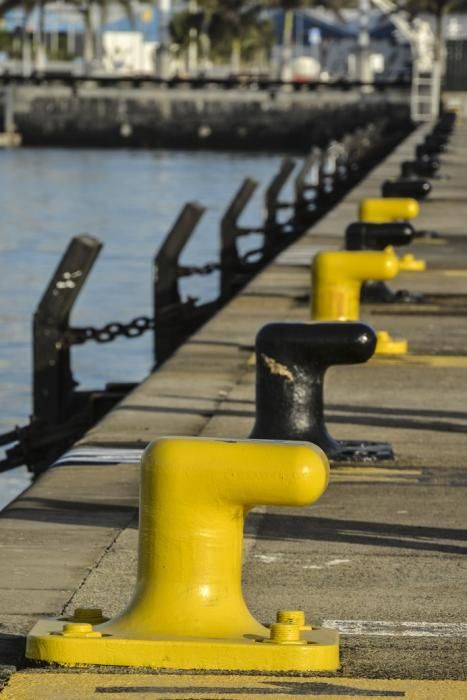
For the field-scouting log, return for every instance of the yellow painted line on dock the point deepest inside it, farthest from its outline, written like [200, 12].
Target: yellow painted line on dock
[432, 241]
[374, 474]
[427, 360]
[453, 273]
[33, 685]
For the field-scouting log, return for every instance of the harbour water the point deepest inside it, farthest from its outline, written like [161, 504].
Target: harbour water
[128, 199]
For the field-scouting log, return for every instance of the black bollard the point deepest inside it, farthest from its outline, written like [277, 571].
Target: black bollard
[418, 168]
[422, 151]
[436, 141]
[406, 187]
[368, 236]
[291, 360]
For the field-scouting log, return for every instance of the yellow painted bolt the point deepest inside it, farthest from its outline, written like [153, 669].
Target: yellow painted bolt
[75, 628]
[293, 617]
[92, 615]
[285, 633]
[381, 210]
[337, 278]
[79, 629]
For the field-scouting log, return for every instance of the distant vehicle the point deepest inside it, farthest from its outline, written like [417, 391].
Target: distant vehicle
[305, 69]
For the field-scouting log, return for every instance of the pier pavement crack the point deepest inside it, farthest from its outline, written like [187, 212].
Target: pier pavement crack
[97, 563]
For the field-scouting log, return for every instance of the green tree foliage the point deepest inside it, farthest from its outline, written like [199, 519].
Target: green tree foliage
[225, 24]
[83, 7]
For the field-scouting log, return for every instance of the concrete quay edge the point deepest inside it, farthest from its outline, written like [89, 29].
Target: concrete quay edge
[386, 542]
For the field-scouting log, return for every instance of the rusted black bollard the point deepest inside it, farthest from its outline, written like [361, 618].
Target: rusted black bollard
[406, 187]
[291, 360]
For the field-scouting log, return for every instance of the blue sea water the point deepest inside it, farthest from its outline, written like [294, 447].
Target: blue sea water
[128, 199]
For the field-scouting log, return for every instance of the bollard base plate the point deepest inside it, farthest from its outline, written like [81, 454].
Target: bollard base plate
[409, 263]
[380, 293]
[386, 345]
[360, 451]
[319, 652]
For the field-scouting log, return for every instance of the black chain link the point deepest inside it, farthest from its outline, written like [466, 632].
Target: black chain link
[141, 324]
[108, 333]
[186, 271]
[208, 268]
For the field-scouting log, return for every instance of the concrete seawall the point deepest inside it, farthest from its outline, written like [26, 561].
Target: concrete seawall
[88, 115]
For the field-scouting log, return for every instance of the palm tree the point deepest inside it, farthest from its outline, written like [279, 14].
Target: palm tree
[28, 7]
[83, 7]
[228, 27]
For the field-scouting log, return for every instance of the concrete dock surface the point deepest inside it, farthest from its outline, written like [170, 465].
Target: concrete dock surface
[381, 556]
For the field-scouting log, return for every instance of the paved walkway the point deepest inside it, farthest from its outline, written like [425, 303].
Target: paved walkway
[381, 556]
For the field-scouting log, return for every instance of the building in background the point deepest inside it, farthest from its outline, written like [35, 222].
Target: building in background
[131, 46]
[323, 46]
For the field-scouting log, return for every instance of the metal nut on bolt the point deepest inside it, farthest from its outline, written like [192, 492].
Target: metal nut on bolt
[285, 633]
[79, 629]
[293, 617]
[91, 615]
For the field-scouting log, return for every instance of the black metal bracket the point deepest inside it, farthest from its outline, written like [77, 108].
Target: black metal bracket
[235, 270]
[61, 414]
[276, 232]
[176, 319]
[53, 382]
[306, 188]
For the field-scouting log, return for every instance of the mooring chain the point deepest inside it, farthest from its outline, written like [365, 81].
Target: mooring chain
[140, 324]
[207, 269]
[108, 333]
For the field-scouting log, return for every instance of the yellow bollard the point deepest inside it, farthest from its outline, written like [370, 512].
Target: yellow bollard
[337, 279]
[382, 210]
[188, 610]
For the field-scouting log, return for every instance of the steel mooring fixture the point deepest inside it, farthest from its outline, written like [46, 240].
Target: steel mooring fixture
[418, 168]
[406, 187]
[337, 278]
[428, 148]
[291, 361]
[367, 236]
[277, 233]
[176, 319]
[235, 269]
[188, 610]
[382, 210]
[306, 188]
[53, 382]
[436, 142]
[385, 210]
